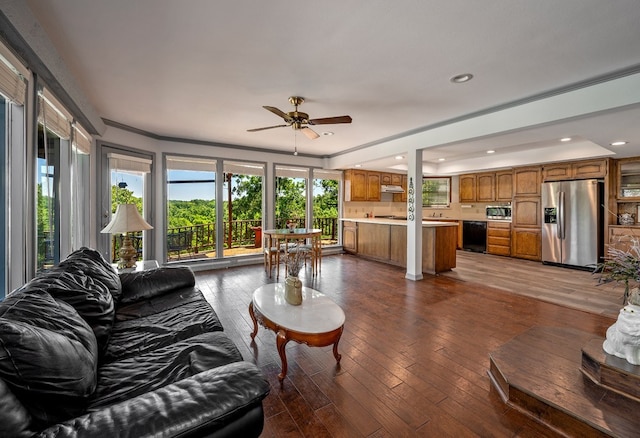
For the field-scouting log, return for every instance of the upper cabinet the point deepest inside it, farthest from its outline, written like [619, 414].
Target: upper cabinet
[365, 185]
[468, 188]
[504, 185]
[575, 170]
[526, 181]
[628, 179]
[486, 187]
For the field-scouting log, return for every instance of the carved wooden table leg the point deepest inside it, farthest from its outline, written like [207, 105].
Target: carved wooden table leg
[281, 342]
[335, 352]
[255, 322]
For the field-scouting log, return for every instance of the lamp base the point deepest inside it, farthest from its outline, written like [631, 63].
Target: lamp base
[128, 254]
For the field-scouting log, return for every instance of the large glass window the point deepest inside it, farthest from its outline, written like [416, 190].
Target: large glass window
[326, 185]
[80, 184]
[191, 208]
[291, 196]
[48, 207]
[242, 194]
[129, 177]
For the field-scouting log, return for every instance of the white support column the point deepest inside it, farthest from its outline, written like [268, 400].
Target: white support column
[414, 215]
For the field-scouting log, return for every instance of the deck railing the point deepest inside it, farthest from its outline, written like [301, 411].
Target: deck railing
[195, 239]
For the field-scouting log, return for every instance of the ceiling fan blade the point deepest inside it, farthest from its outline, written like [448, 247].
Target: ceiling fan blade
[310, 133]
[268, 127]
[279, 113]
[330, 120]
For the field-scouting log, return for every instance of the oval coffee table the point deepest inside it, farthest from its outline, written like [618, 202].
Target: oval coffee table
[317, 322]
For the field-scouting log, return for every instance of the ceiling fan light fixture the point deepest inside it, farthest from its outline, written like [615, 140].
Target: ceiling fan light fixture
[327, 133]
[618, 143]
[461, 78]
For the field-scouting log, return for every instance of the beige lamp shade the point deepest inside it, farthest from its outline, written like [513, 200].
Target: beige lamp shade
[126, 219]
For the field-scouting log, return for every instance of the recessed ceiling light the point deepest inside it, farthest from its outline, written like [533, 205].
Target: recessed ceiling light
[565, 139]
[619, 143]
[491, 152]
[399, 157]
[440, 159]
[462, 78]
[327, 133]
[358, 165]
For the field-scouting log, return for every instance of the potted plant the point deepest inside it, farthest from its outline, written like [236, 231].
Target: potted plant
[622, 267]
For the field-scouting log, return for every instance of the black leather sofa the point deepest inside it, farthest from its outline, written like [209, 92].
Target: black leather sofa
[85, 352]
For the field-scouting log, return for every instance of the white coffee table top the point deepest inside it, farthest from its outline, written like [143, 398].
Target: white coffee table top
[317, 313]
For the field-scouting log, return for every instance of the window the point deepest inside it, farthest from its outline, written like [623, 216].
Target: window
[129, 181]
[326, 185]
[242, 195]
[80, 149]
[291, 196]
[436, 192]
[191, 207]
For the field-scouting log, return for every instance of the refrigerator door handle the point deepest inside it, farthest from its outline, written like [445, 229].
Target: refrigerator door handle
[561, 215]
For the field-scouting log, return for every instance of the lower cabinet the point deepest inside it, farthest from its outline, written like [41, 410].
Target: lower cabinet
[622, 237]
[350, 237]
[373, 241]
[526, 243]
[499, 238]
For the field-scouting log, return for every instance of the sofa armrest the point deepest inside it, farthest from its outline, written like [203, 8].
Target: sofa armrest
[142, 285]
[198, 405]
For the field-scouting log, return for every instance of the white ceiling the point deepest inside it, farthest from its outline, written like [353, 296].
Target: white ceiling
[202, 70]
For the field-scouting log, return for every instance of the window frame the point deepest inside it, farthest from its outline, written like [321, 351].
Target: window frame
[425, 199]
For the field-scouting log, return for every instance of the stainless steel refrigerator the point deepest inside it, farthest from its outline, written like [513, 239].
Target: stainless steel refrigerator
[572, 222]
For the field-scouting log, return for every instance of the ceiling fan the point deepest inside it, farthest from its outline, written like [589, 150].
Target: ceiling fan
[299, 120]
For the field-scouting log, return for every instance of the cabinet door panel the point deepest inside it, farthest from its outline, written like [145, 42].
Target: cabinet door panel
[373, 186]
[590, 169]
[468, 188]
[526, 243]
[557, 172]
[486, 187]
[526, 212]
[504, 186]
[527, 181]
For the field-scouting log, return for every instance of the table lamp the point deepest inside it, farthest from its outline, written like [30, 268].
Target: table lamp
[125, 220]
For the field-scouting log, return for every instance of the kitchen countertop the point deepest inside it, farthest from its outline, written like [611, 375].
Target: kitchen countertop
[386, 221]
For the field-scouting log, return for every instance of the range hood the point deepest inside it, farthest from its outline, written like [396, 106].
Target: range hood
[387, 188]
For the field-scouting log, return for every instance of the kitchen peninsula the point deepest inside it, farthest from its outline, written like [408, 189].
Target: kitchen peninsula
[385, 240]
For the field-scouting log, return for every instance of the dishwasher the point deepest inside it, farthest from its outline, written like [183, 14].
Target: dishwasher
[474, 236]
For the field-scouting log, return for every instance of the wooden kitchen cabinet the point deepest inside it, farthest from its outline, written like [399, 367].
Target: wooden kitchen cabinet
[374, 241]
[622, 237]
[486, 187]
[385, 178]
[526, 181]
[361, 185]
[526, 212]
[401, 180]
[504, 186]
[398, 245]
[584, 169]
[499, 238]
[526, 243]
[467, 188]
[350, 237]
[373, 186]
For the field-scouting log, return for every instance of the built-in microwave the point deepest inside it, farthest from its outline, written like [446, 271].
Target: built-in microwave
[499, 212]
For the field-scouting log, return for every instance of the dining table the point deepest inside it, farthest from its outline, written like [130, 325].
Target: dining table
[284, 238]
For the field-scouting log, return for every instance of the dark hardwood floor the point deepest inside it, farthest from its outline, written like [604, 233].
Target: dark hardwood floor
[415, 355]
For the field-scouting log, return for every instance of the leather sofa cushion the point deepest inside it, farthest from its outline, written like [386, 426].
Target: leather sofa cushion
[49, 355]
[14, 417]
[155, 330]
[95, 266]
[142, 285]
[91, 299]
[134, 376]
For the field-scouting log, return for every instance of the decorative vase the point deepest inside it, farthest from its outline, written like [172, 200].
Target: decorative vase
[293, 290]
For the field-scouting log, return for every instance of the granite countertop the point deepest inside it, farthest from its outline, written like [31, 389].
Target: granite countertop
[387, 221]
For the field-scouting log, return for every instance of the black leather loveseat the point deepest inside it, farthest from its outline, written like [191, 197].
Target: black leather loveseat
[87, 352]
